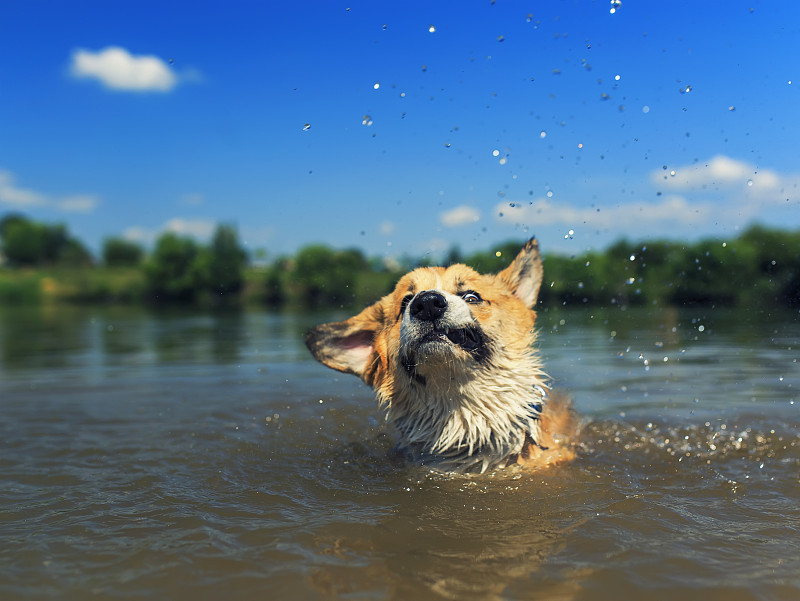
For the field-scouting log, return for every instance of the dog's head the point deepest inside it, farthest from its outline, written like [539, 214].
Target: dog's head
[448, 352]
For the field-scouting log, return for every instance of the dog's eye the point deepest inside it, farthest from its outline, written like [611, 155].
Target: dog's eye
[471, 297]
[403, 304]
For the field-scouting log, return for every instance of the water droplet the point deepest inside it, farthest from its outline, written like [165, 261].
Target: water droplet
[503, 160]
[495, 153]
[366, 120]
[731, 108]
[306, 127]
[529, 17]
[549, 194]
[685, 90]
[701, 328]
[750, 182]
[431, 29]
[543, 134]
[447, 144]
[500, 38]
[616, 78]
[632, 257]
[645, 109]
[377, 85]
[615, 4]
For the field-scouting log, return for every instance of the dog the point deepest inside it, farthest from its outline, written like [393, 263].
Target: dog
[450, 355]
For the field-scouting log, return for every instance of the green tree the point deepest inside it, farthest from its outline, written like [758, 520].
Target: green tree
[275, 282]
[28, 243]
[776, 258]
[118, 252]
[325, 277]
[23, 242]
[171, 271]
[453, 256]
[74, 254]
[221, 265]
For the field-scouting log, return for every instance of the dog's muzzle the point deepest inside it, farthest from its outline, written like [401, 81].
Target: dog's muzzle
[429, 311]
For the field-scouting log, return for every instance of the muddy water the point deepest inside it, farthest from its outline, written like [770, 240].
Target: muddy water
[179, 456]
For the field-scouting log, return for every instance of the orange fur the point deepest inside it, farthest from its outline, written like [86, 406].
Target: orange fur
[449, 353]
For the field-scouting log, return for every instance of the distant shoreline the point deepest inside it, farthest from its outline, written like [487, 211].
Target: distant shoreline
[760, 267]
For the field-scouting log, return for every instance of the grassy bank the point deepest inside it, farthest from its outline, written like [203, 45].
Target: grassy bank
[72, 284]
[761, 267]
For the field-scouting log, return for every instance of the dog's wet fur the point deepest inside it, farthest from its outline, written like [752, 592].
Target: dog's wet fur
[450, 354]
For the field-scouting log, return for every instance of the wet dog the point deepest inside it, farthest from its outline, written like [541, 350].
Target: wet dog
[450, 353]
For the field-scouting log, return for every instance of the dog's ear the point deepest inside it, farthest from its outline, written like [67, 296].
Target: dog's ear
[348, 345]
[524, 275]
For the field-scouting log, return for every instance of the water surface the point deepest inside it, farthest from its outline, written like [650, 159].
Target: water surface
[194, 456]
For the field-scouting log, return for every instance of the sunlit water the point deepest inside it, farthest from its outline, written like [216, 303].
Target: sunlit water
[184, 456]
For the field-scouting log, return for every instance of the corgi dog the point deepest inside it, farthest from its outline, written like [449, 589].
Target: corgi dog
[450, 355]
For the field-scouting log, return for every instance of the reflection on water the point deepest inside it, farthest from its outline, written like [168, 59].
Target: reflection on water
[200, 456]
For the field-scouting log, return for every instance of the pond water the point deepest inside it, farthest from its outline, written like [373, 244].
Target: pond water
[193, 456]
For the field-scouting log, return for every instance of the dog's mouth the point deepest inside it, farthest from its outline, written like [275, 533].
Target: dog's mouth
[468, 338]
[438, 342]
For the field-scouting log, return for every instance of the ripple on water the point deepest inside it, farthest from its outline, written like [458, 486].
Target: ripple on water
[312, 503]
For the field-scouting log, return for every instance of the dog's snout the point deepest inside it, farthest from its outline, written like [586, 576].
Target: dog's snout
[428, 306]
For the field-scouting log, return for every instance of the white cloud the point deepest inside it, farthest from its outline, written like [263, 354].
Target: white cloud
[139, 234]
[256, 235]
[462, 215]
[118, 69]
[192, 199]
[671, 210]
[19, 198]
[720, 172]
[194, 228]
[197, 228]
[720, 193]
[83, 203]
[14, 196]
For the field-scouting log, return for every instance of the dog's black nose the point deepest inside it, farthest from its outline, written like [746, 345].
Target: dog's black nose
[428, 306]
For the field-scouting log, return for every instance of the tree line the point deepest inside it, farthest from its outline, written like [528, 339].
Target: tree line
[760, 266]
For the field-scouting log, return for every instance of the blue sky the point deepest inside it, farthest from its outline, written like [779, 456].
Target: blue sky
[401, 128]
